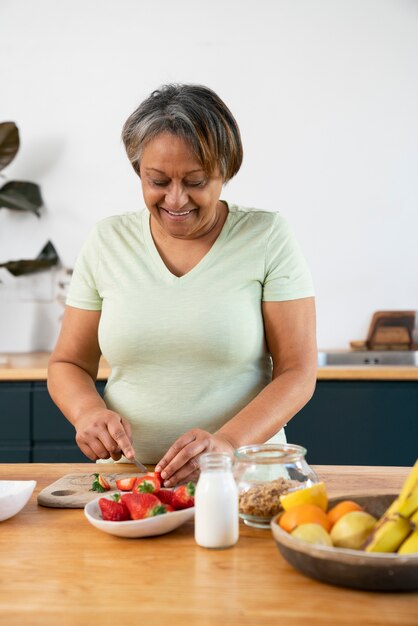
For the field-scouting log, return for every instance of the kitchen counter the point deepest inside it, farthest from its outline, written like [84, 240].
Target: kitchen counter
[58, 569]
[33, 366]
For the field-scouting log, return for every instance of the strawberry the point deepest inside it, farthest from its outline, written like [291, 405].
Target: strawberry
[143, 505]
[150, 483]
[126, 484]
[166, 496]
[100, 483]
[183, 496]
[113, 510]
[158, 476]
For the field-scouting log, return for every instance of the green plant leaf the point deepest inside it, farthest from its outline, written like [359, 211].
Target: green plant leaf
[9, 143]
[47, 258]
[21, 196]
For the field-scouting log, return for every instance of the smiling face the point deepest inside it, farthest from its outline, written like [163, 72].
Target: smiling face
[182, 199]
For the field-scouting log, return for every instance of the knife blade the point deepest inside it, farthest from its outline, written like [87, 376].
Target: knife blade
[139, 465]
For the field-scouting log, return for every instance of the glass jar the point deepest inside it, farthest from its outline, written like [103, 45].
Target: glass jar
[216, 503]
[265, 472]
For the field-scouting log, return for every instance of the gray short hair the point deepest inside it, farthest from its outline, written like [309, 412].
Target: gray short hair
[193, 112]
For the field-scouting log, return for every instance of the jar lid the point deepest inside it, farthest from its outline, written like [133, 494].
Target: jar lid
[270, 453]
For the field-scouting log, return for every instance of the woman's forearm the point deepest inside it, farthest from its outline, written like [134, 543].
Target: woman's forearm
[271, 409]
[72, 371]
[256, 423]
[73, 390]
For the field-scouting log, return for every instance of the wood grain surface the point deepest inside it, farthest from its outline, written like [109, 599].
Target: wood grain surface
[56, 569]
[33, 366]
[74, 491]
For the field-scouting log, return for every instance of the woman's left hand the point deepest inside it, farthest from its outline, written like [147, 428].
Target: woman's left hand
[181, 461]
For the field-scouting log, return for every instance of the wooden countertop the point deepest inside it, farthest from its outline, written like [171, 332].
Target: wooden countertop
[58, 569]
[33, 366]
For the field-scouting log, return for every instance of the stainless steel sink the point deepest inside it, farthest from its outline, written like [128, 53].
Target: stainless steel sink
[370, 357]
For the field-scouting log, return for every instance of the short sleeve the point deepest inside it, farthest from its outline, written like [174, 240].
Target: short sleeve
[83, 292]
[287, 275]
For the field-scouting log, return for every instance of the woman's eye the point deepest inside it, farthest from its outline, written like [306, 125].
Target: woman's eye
[196, 183]
[191, 183]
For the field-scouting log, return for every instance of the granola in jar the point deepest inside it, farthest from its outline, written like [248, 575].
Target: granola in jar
[263, 500]
[264, 472]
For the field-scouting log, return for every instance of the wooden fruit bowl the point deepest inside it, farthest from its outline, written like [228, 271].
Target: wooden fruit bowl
[350, 568]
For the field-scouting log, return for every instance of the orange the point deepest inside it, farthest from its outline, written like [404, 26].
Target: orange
[340, 509]
[304, 514]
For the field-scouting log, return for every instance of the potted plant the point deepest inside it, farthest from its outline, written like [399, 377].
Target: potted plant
[17, 195]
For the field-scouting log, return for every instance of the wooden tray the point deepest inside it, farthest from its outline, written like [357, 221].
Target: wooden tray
[73, 491]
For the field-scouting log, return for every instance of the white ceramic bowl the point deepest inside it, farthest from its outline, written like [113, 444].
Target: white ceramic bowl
[149, 527]
[14, 494]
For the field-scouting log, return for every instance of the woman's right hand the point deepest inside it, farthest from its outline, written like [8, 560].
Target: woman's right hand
[101, 434]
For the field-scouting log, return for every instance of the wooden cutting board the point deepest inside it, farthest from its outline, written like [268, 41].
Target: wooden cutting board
[391, 330]
[73, 491]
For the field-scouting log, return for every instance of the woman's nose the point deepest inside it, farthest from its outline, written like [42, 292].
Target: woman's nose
[176, 196]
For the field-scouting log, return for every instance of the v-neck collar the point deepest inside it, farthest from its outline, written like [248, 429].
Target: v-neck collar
[165, 273]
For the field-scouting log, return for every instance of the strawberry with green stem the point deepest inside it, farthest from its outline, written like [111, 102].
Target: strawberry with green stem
[113, 509]
[100, 483]
[142, 505]
[150, 483]
[183, 496]
[166, 496]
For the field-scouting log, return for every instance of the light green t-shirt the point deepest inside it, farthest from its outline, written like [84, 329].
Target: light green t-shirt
[186, 352]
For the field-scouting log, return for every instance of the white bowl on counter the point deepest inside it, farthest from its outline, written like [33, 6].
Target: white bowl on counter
[14, 495]
[134, 529]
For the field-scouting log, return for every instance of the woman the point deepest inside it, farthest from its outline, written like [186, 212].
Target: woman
[204, 310]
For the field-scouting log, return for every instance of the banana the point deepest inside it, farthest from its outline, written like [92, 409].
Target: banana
[393, 508]
[414, 519]
[409, 487]
[410, 545]
[388, 534]
[410, 504]
[410, 484]
[397, 527]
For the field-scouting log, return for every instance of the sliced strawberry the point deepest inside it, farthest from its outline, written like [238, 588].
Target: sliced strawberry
[166, 496]
[150, 483]
[183, 496]
[143, 505]
[126, 484]
[113, 509]
[100, 483]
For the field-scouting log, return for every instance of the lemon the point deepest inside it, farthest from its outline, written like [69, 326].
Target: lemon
[312, 533]
[315, 494]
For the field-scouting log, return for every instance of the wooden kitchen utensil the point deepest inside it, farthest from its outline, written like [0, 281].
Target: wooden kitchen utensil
[391, 330]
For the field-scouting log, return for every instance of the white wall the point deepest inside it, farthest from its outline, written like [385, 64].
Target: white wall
[326, 95]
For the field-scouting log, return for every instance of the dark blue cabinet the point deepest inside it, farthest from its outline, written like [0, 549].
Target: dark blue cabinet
[16, 435]
[345, 423]
[33, 429]
[359, 423]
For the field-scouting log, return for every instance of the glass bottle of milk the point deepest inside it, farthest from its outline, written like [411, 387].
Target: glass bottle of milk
[216, 503]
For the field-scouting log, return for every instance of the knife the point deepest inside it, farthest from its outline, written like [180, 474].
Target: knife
[139, 465]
